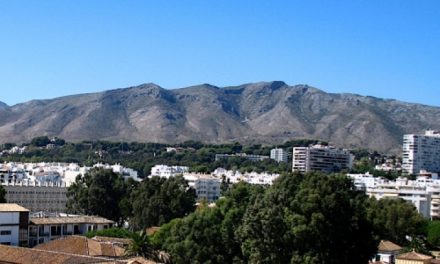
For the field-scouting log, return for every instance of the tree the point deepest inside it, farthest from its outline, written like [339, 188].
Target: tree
[111, 232]
[395, 219]
[159, 200]
[2, 194]
[40, 141]
[208, 235]
[98, 192]
[311, 218]
[433, 233]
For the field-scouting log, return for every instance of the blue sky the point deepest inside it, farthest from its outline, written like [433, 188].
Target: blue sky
[388, 49]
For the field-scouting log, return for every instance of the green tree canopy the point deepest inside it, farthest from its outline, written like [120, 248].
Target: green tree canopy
[98, 192]
[40, 141]
[311, 218]
[433, 233]
[111, 232]
[159, 200]
[395, 219]
[208, 235]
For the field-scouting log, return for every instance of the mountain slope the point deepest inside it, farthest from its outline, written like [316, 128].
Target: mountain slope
[266, 112]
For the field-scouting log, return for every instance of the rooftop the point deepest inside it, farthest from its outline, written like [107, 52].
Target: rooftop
[9, 254]
[387, 246]
[413, 256]
[69, 220]
[10, 207]
[81, 245]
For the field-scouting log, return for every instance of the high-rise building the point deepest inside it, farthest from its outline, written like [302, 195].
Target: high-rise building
[421, 152]
[321, 158]
[278, 154]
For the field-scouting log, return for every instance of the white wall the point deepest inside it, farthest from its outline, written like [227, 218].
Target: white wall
[9, 218]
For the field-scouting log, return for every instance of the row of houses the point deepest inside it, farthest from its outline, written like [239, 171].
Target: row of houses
[20, 227]
[54, 172]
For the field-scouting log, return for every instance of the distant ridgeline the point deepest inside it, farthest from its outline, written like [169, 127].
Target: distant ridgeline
[254, 113]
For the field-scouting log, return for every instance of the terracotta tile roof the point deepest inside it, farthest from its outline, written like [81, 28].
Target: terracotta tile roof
[11, 207]
[70, 220]
[413, 256]
[435, 261]
[386, 245]
[18, 255]
[83, 246]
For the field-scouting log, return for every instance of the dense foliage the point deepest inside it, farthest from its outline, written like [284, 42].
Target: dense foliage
[433, 233]
[99, 192]
[395, 220]
[209, 235]
[158, 200]
[111, 232]
[312, 218]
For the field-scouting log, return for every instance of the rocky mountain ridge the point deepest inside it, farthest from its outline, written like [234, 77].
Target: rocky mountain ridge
[264, 112]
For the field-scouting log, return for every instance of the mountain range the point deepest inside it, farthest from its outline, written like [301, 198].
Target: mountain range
[264, 112]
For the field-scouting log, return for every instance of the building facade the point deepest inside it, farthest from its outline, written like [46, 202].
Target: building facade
[47, 227]
[278, 154]
[421, 152]
[207, 187]
[250, 157]
[37, 197]
[14, 221]
[321, 158]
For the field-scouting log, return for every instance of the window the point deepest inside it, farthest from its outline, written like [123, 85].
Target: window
[5, 232]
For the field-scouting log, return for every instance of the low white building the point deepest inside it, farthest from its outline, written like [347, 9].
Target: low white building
[165, 171]
[250, 157]
[233, 176]
[14, 221]
[121, 170]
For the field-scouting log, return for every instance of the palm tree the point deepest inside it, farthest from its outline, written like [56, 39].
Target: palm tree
[140, 246]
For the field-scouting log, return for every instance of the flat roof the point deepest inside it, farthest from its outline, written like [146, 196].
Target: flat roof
[12, 207]
[69, 220]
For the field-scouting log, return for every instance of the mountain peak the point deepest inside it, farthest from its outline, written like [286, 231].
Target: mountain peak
[3, 105]
[261, 112]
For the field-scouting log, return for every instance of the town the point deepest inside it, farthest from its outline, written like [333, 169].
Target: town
[38, 212]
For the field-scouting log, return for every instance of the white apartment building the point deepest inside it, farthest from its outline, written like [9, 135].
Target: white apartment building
[207, 186]
[423, 193]
[421, 152]
[14, 221]
[321, 158]
[36, 197]
[278, 154]
[165, 171]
